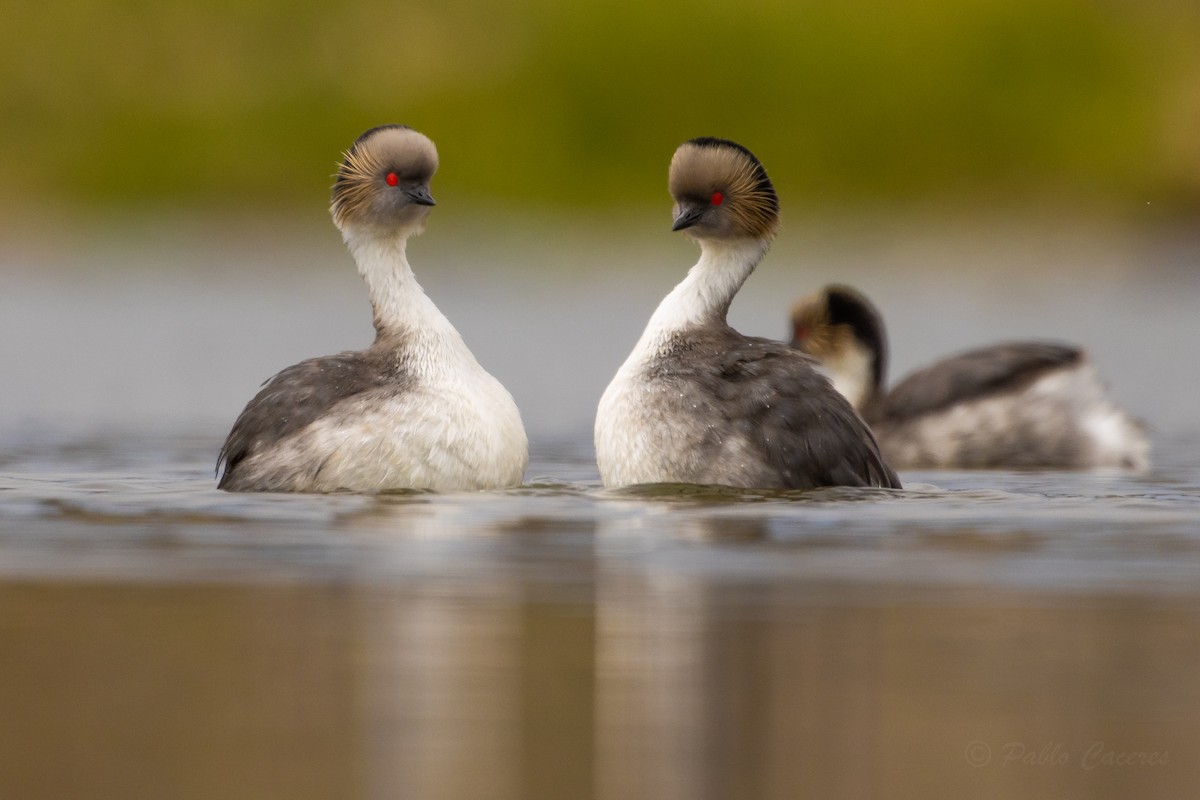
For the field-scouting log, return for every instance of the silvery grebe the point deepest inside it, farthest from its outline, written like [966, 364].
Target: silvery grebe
[1017, 404]
[415, 410]
[698, 402]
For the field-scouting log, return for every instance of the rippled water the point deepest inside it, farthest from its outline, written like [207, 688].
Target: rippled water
[560, 640]
[1007, 634]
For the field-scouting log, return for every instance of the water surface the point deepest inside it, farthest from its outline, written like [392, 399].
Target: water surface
[982, 634]
[561, 640]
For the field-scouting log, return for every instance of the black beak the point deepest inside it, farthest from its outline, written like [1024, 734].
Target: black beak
[688, 216]
[420, 195]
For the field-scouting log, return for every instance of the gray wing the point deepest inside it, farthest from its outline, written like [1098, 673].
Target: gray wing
[970, 376]
[298, 395]
[804, 430]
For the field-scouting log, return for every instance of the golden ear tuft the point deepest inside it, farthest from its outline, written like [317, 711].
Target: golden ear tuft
[374, 155]
[706, 166]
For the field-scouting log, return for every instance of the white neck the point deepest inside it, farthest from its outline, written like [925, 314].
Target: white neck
[850, 372]
[705, 294]
[399, 303]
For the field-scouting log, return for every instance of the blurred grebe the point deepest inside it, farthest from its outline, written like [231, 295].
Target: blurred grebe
[698, 402]
[1018, 404]
[415, 409]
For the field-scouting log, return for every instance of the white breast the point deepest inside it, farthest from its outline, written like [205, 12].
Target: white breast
[626, 453]
[459, 430]
[633, 445]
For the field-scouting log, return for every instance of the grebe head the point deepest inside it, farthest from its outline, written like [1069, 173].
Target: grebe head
[722, 191]
[383, 182]
[844, 331]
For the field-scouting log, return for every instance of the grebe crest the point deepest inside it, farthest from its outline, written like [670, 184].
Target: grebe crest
[383, 181]
[843, 330]
[721, 191]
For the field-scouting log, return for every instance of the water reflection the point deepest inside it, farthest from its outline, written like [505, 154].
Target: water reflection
[665, 686]
[442, 695]
[977, 634]
[124, 691]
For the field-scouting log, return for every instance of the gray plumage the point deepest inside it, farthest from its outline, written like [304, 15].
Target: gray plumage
[973, 375]
[319, 388]
[729, 399]
[913, 420]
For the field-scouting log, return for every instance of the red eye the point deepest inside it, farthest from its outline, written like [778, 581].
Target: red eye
[801, 331]
[392, 179]
[718, 198]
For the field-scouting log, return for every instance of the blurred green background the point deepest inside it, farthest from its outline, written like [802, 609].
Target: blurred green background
[541, 104]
